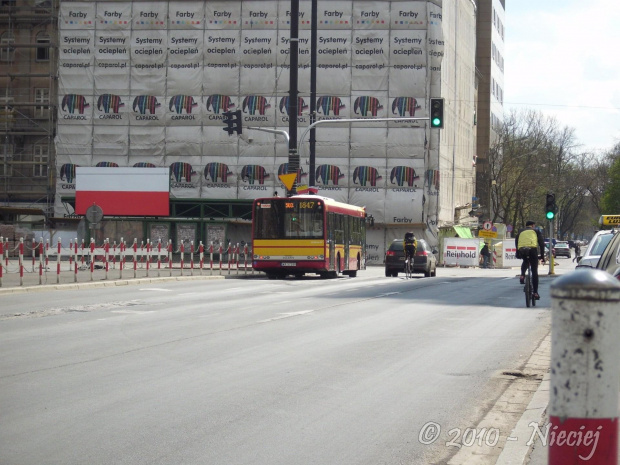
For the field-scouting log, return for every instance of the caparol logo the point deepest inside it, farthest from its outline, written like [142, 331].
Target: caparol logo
[67, 172]
[366, 174]
[180, 170]
[330, 104]
[255, 103]
[285, 105]
[73, 103]
[216, 170]
[367, 106]
[106, 164]
[219, 103]
[326, 173]
[403, 174]
[107, 102]
[182, 102]
[404, 105]
[253, 173]
[144, 103]
[283, 169]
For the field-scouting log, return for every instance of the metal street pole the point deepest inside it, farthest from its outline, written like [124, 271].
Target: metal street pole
[293, 154]
[313, 45]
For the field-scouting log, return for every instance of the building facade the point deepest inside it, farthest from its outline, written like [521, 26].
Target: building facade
[489, 115]
[27, 110]
[147, 83]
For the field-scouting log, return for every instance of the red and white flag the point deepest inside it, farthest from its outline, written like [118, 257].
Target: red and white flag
[123, 191]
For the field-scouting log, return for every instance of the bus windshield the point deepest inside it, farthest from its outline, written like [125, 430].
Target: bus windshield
[288, 218]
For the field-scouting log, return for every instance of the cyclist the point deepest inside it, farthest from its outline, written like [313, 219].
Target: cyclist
[529, 242]
[411, 244]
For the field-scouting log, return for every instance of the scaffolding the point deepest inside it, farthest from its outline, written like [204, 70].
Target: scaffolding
[28, 101]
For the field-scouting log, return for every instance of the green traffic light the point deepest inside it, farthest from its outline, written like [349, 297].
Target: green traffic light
[550, 215]
[436, 122]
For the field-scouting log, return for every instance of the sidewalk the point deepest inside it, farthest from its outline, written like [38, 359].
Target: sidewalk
[39, 280]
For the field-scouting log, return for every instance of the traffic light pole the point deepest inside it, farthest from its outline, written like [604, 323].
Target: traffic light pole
[551, 258]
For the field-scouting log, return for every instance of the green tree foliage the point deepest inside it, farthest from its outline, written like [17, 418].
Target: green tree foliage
[533, 155]
[610, 200]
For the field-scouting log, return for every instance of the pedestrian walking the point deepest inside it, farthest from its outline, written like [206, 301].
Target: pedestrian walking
[486, 256]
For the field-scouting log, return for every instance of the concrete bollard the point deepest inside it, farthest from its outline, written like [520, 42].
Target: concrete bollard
[585, 374]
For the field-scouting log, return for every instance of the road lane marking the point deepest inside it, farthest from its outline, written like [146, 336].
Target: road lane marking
[286, 315]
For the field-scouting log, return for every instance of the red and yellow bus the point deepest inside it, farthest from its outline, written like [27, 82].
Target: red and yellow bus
[307, 234]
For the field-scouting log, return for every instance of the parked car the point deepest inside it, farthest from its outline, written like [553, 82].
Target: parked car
[610, 258]
[562, 249]
[423, 262]
[594, 250]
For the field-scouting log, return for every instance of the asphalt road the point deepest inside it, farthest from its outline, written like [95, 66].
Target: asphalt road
[253, 371]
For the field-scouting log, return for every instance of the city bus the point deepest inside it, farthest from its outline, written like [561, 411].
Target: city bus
[307, 234]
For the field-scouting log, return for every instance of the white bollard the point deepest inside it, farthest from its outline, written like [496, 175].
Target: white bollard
[585, 374]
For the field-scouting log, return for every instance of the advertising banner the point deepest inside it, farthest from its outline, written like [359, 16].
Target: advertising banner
[147, 83]
[461, 252]
[509, 250]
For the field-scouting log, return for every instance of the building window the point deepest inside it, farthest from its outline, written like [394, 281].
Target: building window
[7, 52]
[43, 49]
[6, 159]
[42, 95]
[40, 158]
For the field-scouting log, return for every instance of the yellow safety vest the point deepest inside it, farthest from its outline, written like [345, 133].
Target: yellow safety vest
[528, 238]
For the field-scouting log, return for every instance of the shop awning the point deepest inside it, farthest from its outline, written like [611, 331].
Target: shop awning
[464, 232]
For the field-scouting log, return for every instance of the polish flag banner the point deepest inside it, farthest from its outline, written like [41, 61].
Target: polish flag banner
[123, 191]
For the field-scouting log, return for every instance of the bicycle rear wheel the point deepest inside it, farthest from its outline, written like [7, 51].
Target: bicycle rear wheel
[527, 289]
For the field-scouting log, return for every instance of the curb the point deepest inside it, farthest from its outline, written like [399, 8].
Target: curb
[515, 450]
[107, 283]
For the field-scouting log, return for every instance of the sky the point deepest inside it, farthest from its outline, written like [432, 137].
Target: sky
[562, 58]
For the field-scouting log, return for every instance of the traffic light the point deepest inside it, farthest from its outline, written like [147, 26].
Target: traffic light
[550, 206]
[237, 122]
[436, 113]
[228, 122]
[233, 122]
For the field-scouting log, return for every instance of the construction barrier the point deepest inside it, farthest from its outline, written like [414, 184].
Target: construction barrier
[113, 259]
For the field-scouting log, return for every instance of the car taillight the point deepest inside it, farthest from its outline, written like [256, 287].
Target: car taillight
[390, 253]
[421, 253]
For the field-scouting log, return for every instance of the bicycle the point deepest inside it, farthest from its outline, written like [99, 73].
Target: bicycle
[407, 268]
[528, 285]
[408, 265]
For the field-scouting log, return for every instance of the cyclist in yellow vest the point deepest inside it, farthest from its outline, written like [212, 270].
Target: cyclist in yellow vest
[529, 243]
[410, 244]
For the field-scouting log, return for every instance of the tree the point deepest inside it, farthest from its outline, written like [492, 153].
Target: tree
[610, 200]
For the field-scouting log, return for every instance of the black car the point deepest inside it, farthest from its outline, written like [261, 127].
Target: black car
[610, 258]
[423, 262]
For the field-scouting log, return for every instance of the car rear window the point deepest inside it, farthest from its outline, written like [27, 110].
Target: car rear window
[396, 247]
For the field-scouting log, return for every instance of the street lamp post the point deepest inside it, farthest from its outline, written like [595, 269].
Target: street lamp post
[491, 213]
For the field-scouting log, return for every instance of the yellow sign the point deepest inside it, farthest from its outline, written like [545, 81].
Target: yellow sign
[288, 180]
[609, 220]
[483, 233]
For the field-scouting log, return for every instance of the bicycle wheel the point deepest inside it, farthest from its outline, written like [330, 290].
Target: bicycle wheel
[527, 289]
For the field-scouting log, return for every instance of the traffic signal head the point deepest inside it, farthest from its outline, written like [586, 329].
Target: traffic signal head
[550, 206]
[228, 122]
[436, 113]
[232, 122]
[237, 122]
